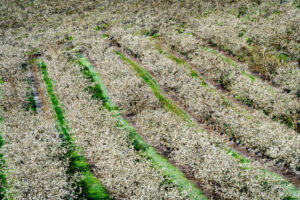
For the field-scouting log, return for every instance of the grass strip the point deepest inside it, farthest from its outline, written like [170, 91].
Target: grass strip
[92, 189]
[3, 182]
[291, 190]
[154, 87]
[179, 61]
[249, 76]
[139, 144]
[219, 55]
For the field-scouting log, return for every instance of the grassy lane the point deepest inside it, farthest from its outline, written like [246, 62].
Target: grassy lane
[3, 182]
[155, 88]
[139, 144]
[91, 187]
